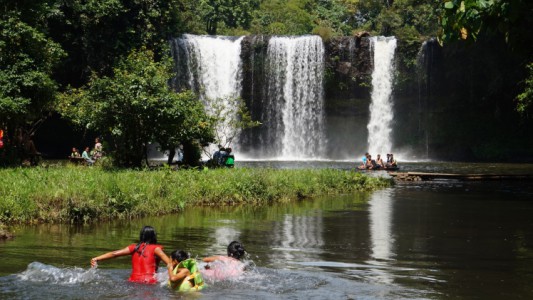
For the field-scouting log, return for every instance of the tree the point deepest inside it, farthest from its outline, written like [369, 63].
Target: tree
[27, 90]
[97, 33]
[467, 19]
[232, 13]
[525, 98]
[283, 18]
[136, 107]
[511, 20]
[230, 117]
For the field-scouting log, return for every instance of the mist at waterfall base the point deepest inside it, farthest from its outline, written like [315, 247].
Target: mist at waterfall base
[285, 92]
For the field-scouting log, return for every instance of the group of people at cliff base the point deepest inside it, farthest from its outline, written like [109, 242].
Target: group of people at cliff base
[223, 157]
[378, 163]
[90, 156]
[183, 272]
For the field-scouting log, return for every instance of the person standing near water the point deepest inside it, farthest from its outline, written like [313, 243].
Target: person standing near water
[145, 257]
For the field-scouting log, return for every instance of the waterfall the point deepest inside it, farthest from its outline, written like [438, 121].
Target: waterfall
[294, 112]
[211, 66]
[424, 64]
[381, 113]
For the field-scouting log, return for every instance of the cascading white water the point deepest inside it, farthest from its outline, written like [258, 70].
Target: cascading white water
[215, 72]
[381, 113]
[295, 96]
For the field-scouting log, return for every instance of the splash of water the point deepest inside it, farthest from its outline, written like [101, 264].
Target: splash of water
[381, 113]
[295, 96]
[39, 272]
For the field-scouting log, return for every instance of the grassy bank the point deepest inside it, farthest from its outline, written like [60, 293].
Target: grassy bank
[82, 194]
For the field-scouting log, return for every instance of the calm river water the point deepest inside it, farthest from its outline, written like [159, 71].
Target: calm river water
[432, 240]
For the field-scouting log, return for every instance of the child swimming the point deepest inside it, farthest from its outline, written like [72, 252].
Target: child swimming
[183, 273]
[224, 267]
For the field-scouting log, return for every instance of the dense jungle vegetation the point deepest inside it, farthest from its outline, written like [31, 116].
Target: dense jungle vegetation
[99, 62]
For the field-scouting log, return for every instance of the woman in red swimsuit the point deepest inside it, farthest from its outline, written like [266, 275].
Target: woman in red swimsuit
[145, 257]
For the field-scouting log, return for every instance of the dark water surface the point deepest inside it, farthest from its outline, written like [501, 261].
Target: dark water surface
[437, 240]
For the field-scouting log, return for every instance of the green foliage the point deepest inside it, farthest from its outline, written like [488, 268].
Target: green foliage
[387, 17]
[511, 20]
[97, 33]
[27, 60]
[231, 13]
[467, 19]
[525, 99]
[88, 194]
[327, 18]
[136, 107]
[228, 123]
[283, 18]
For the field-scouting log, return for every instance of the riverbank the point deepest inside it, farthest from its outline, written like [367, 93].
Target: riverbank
[67, 194]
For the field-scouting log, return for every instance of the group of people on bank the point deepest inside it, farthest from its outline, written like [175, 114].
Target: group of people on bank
[223, 157]
[89, 156]
[183, 272]
[378, 163]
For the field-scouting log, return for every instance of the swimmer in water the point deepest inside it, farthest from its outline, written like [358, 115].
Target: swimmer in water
[222, 267]
[183, 273]
[145, 257]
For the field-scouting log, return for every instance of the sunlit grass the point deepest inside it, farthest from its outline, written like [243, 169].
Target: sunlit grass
[87, 194]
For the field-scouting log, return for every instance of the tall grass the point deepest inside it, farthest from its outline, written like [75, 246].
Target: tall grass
[87, 194]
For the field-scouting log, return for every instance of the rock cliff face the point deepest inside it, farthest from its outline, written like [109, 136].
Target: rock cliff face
[349, 67]
[459, 104]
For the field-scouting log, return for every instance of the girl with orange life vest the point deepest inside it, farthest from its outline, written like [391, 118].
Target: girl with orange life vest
[145, 257]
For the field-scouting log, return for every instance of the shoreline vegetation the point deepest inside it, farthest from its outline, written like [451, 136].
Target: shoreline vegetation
[74, 194]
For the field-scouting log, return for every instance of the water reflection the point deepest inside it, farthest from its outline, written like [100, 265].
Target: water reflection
[297, 233]
[380, 224]
[380, 212]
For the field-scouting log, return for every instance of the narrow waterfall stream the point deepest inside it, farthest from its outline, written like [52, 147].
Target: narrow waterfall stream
[213, 70]
[381, 112]
[295, 90]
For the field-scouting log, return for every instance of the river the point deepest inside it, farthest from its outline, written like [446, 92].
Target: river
[425, 240]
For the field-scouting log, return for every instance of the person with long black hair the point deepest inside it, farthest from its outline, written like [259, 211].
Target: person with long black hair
[221, 267]
[145, 257]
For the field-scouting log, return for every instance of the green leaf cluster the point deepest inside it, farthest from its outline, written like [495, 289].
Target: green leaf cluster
[230, 13]
[525, 98]
[508, 19]
[467, 19]
[27, 60]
